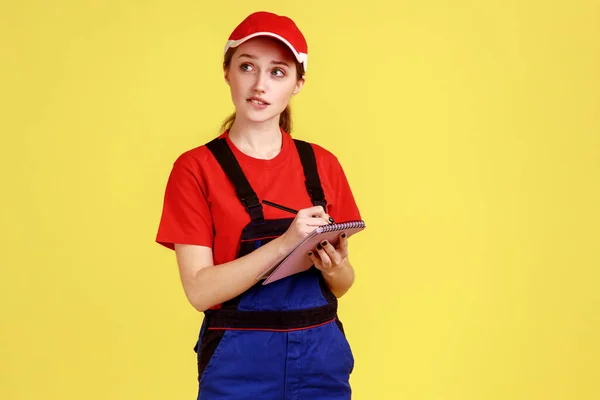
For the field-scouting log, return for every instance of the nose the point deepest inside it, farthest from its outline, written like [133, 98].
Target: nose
[260, 84]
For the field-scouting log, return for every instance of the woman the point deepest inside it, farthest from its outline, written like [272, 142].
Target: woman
[282, 340]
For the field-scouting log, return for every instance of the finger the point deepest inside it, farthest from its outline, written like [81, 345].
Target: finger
[310, 211]
[333, 254]
[313, 221]
[343, 246]
[315, 259]
[325, 260]
[316, 211]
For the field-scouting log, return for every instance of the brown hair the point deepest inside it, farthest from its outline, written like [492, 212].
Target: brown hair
[285, 118]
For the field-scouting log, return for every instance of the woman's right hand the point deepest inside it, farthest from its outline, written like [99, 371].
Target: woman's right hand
[306, 221]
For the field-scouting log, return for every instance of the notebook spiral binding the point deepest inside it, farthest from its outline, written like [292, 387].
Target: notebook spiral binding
[342, 226]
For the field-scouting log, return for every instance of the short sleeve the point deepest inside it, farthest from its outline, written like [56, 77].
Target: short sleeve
[344, 208]
[186, 217]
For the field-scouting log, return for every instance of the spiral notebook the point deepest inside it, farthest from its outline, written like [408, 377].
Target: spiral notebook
[298, 261]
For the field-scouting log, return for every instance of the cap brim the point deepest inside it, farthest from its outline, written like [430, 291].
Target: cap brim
[301, 57]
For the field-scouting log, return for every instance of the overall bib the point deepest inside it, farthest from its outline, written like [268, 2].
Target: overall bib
[277, 341]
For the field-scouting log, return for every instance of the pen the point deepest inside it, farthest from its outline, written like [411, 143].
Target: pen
[284, 208]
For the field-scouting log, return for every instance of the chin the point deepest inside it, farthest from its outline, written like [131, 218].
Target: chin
[259, 117]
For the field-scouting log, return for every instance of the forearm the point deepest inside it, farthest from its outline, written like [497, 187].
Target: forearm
[219, 283]
[339, 279]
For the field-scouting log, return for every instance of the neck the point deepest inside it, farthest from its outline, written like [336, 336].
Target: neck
[257, 140]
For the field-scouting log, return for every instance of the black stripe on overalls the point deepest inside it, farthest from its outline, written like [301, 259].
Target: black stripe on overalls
[234, 172]
[249, 199]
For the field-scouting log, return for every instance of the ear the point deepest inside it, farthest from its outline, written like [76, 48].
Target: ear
[299, 86]
[226, 76]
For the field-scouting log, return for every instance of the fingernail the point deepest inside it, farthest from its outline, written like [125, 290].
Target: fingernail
[310, 253]
[324, 243]
[344, 235]
[319, 247]
[331, 220]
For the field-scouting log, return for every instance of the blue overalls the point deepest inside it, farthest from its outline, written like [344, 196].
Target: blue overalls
[277, 341]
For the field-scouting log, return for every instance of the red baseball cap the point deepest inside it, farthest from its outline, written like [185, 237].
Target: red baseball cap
[264, 23]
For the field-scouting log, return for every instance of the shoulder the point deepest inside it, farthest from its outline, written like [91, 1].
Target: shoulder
[322, 152]
[325, 158]
[194, 158]
[195, 166]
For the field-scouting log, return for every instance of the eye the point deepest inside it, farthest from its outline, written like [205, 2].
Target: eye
[246, 67]
[278, 72]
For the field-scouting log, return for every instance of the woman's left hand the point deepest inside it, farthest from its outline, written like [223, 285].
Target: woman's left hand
[328, 258]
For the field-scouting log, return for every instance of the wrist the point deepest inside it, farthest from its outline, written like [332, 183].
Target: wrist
[282, 247]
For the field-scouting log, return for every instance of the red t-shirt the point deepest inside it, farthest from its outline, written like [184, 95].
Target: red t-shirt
[201, 207]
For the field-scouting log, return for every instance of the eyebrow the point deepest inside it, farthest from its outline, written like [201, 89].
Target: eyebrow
[275, 62]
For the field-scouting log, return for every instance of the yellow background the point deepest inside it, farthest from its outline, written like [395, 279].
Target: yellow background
[470, 132]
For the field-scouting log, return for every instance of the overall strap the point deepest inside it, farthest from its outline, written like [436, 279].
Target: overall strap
[309, 164]
[234, 172]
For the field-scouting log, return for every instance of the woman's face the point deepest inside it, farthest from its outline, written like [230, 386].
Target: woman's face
[262, 77]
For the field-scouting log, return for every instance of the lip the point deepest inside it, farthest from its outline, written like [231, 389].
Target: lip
[266, 103]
